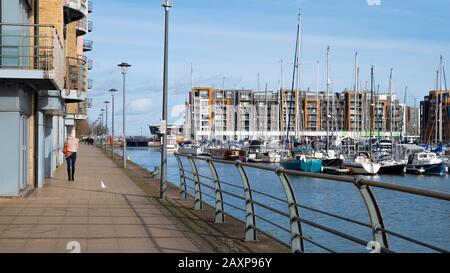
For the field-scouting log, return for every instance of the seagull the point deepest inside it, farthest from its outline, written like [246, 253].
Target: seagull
[102, 185]
[156, 171]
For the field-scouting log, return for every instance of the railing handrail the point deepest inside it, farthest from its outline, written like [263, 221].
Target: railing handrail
[35, 25]
[336, 178]
[379, 231]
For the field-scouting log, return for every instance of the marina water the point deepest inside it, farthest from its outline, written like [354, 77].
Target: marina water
[421, 218]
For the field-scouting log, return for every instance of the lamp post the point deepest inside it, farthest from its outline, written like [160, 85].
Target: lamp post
[162, 182]
[106, 125]
[102, 130]
[124, 69]
[113, 92]
[97, 126]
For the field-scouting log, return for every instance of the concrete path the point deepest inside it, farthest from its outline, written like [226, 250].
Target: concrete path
[120, 219]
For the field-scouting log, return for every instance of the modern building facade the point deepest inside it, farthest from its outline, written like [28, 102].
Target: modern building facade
[244, 115]
[435, 117]
[42, 72]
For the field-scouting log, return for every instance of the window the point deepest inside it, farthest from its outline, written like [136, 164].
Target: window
[13, 45]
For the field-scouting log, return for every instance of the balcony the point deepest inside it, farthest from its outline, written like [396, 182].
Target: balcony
[90, 6]
[76, 80]
[90, 83]
[90, 65]
[87, 45]
[90, 25]
[51, 103]
[82, 27]
[34, 59]
[75, 10]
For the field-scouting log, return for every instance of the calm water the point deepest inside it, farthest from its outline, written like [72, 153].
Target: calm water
[417, 217]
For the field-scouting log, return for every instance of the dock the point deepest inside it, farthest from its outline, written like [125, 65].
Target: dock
[125, 217]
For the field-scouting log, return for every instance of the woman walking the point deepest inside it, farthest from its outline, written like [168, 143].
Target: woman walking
[70, 150]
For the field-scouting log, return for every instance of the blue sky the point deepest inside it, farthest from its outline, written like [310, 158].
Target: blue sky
[238, 39]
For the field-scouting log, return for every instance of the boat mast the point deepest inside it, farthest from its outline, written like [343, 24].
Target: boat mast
[266, 115]
[436, 109]
[371, 108]
[297, 83]
[317, 95]
[405, 102]
[391, 115]
[328, 98]
[355, 90]
[377, 103]
[224, 111]
[191, 106]
[440, 100]
[359, 109]
[293, 81]
[280, 99]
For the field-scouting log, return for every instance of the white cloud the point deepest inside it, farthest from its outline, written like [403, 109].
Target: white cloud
[140, 106]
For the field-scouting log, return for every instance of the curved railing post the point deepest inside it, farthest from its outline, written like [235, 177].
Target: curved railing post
[294, 216]
[250, 219]
[183, 190]
[376, 218]
[219, 215]
[198, 190]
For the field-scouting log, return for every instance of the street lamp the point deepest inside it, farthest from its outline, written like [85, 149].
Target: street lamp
[97, 126]
[102, 127]
[162, 182]
[124, 69]
[113, 92]
[106, 127]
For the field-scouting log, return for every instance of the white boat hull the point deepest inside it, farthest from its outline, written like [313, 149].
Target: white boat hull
[190, 150]
[363, 168]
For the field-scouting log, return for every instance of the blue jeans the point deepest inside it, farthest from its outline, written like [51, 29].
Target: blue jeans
[71, 160]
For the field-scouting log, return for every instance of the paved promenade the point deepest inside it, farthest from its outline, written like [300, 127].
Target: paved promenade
[121, 218]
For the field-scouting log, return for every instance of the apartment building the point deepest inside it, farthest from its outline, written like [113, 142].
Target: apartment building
[435, 123]
[42, 87]
[244, 114]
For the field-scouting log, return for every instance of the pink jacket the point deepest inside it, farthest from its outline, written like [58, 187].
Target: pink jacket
[72, 144]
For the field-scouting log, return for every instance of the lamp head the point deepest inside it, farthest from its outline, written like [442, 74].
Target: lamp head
[124, 67]
[113, 91]
[167, 4]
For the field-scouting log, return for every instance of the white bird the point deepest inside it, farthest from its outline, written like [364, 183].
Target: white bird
[102, 185]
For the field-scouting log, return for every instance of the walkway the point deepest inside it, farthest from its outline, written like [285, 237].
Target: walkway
[121, 218]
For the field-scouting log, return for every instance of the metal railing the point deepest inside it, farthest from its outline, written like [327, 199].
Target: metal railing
[88, 45]
[76, 75]
[79, 5]
[191, 180]
[82, 26]
[32, 47]
[90, 25]
[90, 6]
[90, 83]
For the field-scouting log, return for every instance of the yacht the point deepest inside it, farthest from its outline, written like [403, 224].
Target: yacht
[271, 157]
[300, 162]
[391, 166]
[426, 163]
[188, 148]
[362, 164]
[255, 151]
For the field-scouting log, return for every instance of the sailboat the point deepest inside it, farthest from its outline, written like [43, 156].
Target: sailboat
[298, 160]
[362, 163]
[388, 164]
